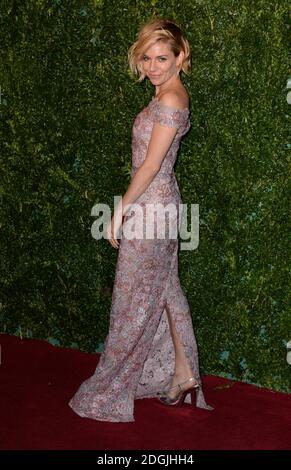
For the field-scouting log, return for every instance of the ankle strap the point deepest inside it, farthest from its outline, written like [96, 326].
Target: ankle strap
[192, 379]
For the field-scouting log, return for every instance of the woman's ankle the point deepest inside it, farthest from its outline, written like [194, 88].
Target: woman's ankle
[182, 376]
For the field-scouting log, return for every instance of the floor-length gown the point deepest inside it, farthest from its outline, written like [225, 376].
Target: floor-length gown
[138, 359]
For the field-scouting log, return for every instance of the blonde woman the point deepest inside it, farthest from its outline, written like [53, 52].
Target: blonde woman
[150, 350]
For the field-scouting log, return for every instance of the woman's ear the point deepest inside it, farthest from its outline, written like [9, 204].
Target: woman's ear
[179, 62]
[181, 58]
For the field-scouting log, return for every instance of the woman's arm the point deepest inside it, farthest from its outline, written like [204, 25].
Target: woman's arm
[162, 136]
[160, 142]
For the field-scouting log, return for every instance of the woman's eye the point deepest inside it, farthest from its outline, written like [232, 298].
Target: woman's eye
[161, 58]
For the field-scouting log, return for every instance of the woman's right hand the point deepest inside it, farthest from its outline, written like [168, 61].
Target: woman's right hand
[112, 232]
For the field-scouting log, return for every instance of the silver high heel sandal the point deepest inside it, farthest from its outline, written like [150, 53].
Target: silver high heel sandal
[179, 399]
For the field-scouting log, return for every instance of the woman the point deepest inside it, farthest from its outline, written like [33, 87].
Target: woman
[150, 350]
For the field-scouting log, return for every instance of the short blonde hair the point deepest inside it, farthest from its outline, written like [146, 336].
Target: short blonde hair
[159, 29]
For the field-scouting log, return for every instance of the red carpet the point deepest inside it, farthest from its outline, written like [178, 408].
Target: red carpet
[38, 379]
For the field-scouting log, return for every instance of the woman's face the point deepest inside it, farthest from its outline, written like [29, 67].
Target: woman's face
[159, 63]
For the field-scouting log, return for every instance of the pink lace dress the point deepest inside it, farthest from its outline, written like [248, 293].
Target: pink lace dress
[138, 358]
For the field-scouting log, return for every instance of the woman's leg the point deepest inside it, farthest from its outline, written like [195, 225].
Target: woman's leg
[182, 370]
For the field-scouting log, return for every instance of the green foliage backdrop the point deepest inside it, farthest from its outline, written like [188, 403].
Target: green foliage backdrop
[67, 105]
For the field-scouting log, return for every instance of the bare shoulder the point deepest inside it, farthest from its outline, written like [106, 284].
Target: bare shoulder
[175, 99]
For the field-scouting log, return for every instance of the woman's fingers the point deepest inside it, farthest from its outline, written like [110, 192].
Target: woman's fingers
[114, 242]
[110, 236]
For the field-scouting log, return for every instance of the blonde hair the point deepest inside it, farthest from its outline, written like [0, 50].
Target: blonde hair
[159, 29]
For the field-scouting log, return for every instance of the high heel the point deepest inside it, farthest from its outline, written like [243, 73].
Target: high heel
[179, 399]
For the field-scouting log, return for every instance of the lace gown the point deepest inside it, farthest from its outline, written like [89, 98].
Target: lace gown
[138, 358]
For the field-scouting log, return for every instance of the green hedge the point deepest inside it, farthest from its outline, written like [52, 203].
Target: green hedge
[67, 105]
